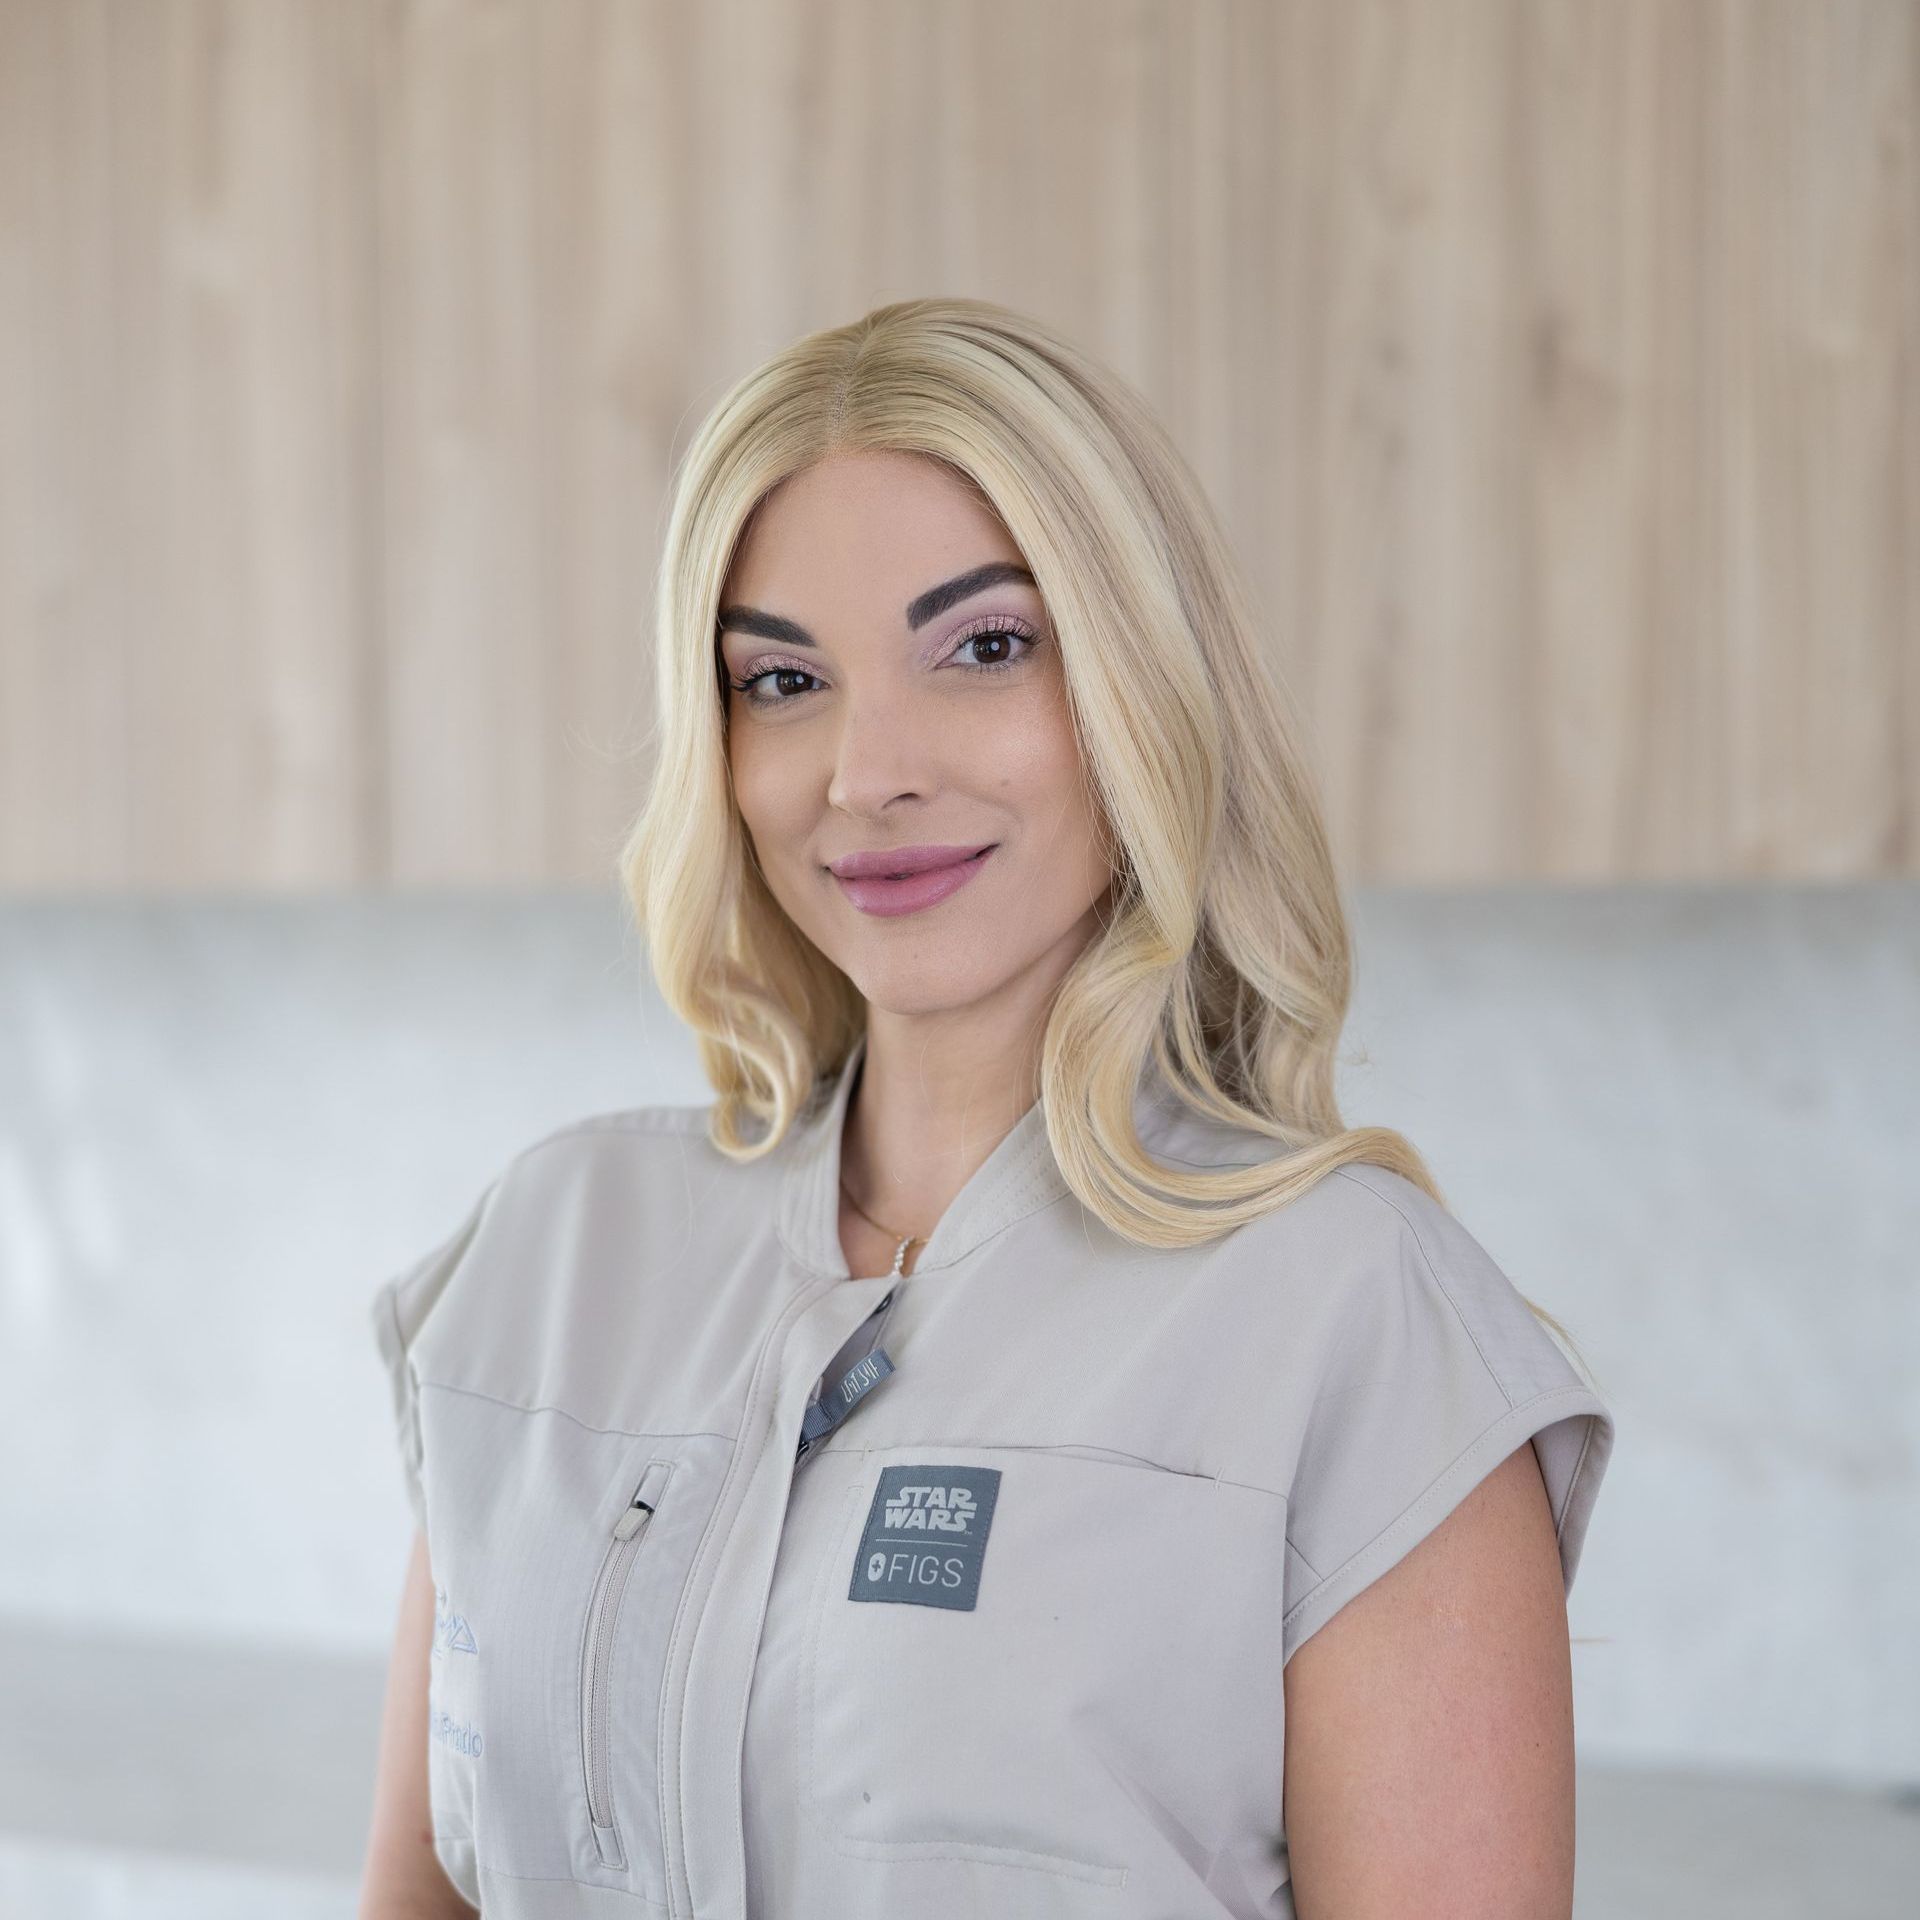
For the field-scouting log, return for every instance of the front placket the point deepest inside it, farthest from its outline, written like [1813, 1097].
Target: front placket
[716, 1637]
[701, 1786]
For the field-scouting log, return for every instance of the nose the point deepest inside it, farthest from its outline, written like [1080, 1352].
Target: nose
[884, 751]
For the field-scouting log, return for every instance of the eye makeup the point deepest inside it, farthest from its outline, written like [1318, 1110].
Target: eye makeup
[992, 626]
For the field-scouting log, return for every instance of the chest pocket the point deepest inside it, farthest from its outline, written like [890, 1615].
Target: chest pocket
[562, 1551]
[1113, 1688]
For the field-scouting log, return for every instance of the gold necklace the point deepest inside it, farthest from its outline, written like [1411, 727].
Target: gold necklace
[892, 1233]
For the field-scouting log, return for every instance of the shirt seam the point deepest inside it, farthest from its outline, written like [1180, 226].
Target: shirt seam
[543, 1406]
[663, 1118]
[671, 1121]
[1088, 1452]
[993, 1233]
[1573, 1479]
[1419, 1241]
[1417, 1505]
[571, 1880]
[1319, 1578]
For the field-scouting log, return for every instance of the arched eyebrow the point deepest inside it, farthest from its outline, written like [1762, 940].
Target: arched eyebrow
[927, 606]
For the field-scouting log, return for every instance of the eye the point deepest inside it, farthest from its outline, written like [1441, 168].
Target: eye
[774, 670]
[996, 629]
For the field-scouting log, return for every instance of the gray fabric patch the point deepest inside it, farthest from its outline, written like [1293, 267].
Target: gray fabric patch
[926, 1535]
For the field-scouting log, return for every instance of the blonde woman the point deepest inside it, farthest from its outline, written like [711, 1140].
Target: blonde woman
[1015, 1452]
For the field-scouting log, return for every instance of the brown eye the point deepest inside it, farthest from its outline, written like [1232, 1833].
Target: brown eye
[774, 673]
[996, 633]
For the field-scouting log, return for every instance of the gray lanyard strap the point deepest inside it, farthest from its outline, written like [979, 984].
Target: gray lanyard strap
[825, 1411]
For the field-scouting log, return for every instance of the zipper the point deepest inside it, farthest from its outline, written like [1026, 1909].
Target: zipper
[596, 1670]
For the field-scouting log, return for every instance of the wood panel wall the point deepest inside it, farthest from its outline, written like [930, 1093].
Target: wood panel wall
[1554, 365]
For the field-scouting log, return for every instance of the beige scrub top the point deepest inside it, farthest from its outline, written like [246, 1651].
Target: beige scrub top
[1006, 1640]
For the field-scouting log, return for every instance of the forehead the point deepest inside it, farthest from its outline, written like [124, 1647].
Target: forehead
[861, 530]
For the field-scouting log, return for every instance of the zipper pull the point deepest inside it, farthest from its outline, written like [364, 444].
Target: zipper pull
[646, 1496]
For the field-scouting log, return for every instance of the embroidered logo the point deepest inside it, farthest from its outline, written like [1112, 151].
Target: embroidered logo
[462, 1736]
[451, 1634]
[926, 1536]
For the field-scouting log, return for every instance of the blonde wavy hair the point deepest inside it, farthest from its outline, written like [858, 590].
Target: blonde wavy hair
[1226, 959]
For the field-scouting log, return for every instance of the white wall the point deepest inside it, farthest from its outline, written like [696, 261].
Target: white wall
[1687, 1123]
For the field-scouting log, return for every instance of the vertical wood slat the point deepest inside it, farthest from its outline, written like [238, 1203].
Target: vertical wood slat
[1820, 149]
[200, 398]
[65, 792]
[1553, 366]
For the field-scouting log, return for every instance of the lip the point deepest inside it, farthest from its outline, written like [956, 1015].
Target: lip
[922, 888]
[885, 862]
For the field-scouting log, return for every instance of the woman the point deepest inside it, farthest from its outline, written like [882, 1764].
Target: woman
[1017, 1452]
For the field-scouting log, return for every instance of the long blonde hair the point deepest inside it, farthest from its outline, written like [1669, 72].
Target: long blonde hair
[1226, 960]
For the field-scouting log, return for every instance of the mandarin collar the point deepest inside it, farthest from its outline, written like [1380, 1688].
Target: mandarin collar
[1018, 1177]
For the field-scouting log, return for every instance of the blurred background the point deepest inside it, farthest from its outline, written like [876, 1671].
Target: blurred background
[1554, 366]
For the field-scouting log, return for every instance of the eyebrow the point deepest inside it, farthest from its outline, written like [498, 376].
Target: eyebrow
[927, 606]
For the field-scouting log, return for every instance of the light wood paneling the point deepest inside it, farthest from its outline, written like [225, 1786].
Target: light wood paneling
[1553, 365]
[65, 789]
[188, 527]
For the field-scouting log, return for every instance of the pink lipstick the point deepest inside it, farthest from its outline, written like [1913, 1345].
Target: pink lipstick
[907, 879]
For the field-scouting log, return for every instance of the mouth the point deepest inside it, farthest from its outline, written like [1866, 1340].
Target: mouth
[889, 895]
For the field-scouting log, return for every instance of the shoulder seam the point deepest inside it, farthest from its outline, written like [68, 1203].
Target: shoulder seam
[656, 1119]
[1420, 1241]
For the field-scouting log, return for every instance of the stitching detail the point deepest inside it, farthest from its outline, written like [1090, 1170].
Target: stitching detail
[1012, 1220]
[737, 1854]
[1087, 1451]
[759, 1407]
[670, 1121]
[1443, 1482]
[1574, 1478]
[803, 1732]
[610, 1627]
[655, 1119]
[625, 1433]
[571, 1880]
[1419, 1241]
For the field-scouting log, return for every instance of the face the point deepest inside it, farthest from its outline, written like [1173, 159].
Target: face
[894, 689]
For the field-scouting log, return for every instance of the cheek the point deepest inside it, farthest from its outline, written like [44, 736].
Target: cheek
[762, 789]
[1035, 765]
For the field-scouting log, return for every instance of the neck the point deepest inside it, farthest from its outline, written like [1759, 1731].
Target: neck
[923, 1118]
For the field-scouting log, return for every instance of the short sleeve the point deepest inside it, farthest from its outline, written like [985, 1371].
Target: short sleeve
[397, 1311]
[1434, 1370]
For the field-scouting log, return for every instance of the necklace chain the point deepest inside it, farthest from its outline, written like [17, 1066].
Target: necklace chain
[892, 1233]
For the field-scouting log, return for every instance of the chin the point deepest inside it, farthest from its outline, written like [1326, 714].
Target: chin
[919, 986]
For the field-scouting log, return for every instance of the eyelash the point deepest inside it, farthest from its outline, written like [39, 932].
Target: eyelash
[993, 626]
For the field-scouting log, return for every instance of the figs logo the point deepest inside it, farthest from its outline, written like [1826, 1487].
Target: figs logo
[926, 1536]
